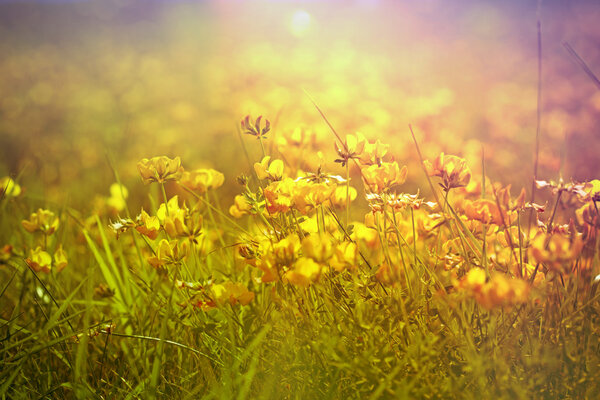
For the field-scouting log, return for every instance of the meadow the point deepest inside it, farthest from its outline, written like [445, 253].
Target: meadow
[198, 201]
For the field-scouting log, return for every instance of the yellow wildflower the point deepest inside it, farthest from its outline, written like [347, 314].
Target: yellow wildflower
[232, 293]
[160, 169]
[43, 220]
[9, 188]
[148, 226]
[304, 272]
[240, 206]
[382, 177]
[169, 252]
[453, 170]
[201, 180]
[266, 169]
[39, 260]
[118, 196]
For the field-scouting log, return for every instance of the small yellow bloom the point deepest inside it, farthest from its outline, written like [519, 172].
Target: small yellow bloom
[318, 247]
[160, 169]
[339, 195]
[9, 188]
[240, 206]
[148, 226]
[201, 180]
[43, 220]
[39, 260]
[118, 197]
[556, 251]
[232, 293]
[453, 170]
[382, 177]
[305, 272]
[60, 258]
[267, 169]
[169, 252]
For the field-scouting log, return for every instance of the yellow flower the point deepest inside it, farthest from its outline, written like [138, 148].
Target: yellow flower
[556, 251]
[118, 195]
[201, 180]
[160, 169]
[240, 206]
[39, 260]
[305, 272]
[339, 195]
[169, 252]
[43, 220]
[351, 148]
[486, 211]
[232, 293]
[266, 169]
[453, 170]
[148, 226]
[278, 195]
[60, 258]
[373, 153]
[383, 177]
[345, 256]
[318, 247]
[9, 188]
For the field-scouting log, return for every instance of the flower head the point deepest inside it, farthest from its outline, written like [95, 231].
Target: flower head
[255, 129]
[160, 169]
[9, 188]
[453, 170]
[201, 180]
[43, 220]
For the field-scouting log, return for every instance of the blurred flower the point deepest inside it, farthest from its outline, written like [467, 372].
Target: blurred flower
[201, 180]
[43, 220]
[118, 197]
[240, 206]
[305, 271]
[232, 293]
[160, 169]
[556, 250]
[452, 169]
[338, 198]
[60, 258]
[9, 188]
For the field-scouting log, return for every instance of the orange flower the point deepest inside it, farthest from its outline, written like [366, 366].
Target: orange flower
[486, 211]
[160, 169]
[452, 169]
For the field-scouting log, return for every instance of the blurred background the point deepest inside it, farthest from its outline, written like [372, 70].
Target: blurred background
[133, 79]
